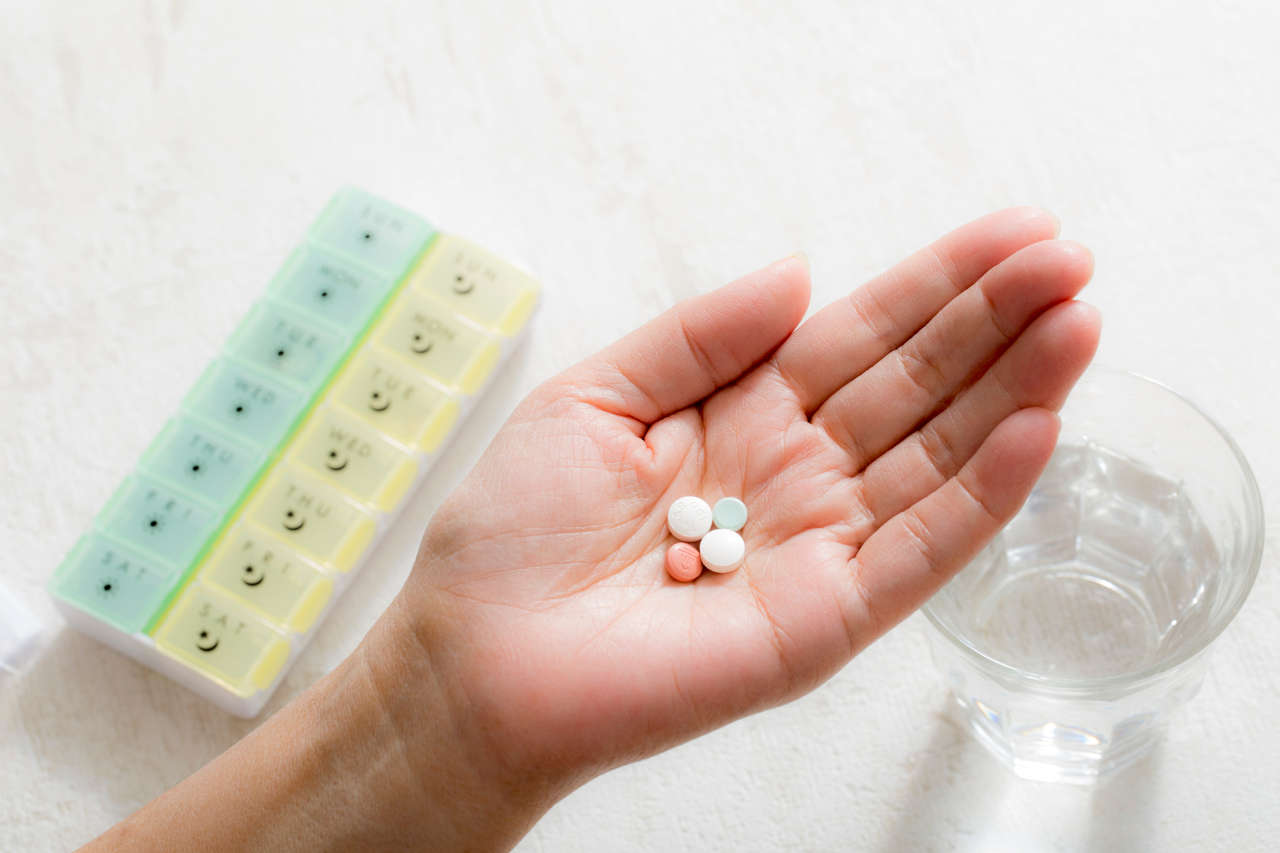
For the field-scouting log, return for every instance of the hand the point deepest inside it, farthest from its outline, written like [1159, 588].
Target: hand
[878, 447]
[539, 640]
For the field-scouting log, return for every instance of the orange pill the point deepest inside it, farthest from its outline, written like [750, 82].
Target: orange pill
[683, 562]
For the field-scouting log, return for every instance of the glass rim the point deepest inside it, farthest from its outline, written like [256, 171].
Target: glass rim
[1251, 563]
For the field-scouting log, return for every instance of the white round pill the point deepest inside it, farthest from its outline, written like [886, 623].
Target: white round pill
[722, 550]
[689, 518]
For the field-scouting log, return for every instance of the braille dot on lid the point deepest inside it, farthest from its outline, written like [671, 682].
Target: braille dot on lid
[368, 235]
[106, 587]
[195, 467]
[204, 634]
[239, 409]
[324, 294]
[333, 454]
[457, 278]
[154, 523]
[248, 569]
[289, 513]
[417, 336]
[279, 353]
[376, 394]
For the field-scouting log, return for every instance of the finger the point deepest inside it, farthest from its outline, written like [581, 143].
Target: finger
[696, 347]
[918, 550]
[1038, 371]
[851, 334]
[878, 408]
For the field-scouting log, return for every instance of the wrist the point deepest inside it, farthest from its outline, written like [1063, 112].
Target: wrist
[375, 756]
[451, 787]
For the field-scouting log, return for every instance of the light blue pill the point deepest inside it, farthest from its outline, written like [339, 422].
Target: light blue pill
[729, 514]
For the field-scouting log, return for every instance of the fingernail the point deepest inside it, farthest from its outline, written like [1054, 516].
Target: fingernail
[802, 258]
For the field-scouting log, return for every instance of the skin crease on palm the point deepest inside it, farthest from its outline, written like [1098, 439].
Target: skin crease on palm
[539, 641]
[878, 446]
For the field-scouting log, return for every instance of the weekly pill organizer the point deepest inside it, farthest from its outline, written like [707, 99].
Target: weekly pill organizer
[254, 506]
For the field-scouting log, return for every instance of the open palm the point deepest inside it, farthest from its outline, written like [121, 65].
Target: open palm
[878, 447]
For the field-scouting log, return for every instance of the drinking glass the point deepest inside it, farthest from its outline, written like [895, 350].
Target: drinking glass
[1069, 640]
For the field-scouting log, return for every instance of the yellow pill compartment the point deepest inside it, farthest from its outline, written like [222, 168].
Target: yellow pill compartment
[430, 338]
[267, 576]
[477, 284]
[395, 400]
[312, 518]
[222, 639]
[349, 455]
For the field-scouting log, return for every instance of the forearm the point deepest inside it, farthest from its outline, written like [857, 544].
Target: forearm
[371, 757]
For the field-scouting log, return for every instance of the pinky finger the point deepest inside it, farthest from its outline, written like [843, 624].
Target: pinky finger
[918, 550]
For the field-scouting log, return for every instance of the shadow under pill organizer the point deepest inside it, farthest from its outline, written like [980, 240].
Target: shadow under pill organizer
[253, 508]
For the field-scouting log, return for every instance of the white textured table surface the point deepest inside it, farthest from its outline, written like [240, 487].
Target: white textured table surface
[158, 159]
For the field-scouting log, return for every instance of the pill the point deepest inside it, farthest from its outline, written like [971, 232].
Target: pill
[722, 550]
[729, 513]
[683, 562]
[689, 518]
